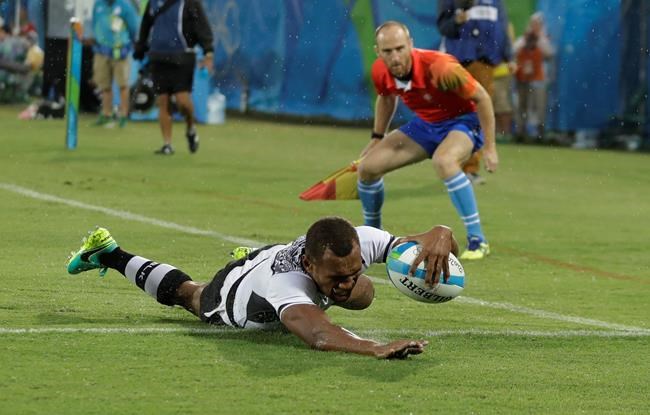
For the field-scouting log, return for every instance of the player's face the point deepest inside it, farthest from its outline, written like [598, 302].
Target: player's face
[394, 48]
[336, 276]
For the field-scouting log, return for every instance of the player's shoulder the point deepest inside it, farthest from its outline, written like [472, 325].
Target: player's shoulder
[435, 57]
[366, 231]
[444, 70]
[288, 258]
[375, 244]
[368, 234]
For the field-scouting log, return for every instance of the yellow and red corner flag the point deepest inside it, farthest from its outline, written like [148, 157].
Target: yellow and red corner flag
[340, 185]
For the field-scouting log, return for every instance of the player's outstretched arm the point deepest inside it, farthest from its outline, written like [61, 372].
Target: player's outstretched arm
[436, 245]
[314, 327]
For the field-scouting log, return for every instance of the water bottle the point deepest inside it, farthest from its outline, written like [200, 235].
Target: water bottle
[216, 108]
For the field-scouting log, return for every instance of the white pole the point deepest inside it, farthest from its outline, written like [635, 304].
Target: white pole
[16, 18]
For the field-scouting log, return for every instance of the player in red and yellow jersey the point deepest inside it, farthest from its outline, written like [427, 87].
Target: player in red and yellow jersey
[453, 119]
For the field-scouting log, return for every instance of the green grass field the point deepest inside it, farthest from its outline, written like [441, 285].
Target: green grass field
[556, 320]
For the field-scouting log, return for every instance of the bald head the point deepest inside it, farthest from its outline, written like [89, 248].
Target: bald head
[393, 44]
[392, 28]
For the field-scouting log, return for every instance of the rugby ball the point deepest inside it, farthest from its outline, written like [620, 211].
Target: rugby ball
[398, 264]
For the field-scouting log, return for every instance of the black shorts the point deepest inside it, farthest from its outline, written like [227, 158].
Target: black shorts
[211, 294]
[170, 78]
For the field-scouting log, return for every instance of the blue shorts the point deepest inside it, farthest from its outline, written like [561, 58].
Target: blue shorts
[430, 134]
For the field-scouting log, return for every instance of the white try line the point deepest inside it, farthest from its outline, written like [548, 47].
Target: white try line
[368, 333]
[122, 214]
[543, 314]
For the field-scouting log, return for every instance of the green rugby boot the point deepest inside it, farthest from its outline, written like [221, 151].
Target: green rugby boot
[86, 258]
[477, 248]
[241, 252]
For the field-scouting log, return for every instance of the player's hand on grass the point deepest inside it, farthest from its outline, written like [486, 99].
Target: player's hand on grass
[435, 246]
[400, 349]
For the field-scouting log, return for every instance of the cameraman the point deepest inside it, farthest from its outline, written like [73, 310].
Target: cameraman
[531, 50]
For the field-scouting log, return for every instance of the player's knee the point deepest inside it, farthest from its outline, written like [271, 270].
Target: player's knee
[188, 296]
[368, 172]
[196, 299]
[444, 164]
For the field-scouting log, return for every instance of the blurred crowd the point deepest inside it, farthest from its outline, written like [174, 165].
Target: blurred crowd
[21, 63]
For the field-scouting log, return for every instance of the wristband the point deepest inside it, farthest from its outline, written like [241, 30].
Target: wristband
[376, 135]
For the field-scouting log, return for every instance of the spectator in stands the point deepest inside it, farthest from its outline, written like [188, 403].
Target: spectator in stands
[531, 50]
[31, 83]
[13, 50]
[115, 27]
[502, 96]
[168, 34]
[475, 32]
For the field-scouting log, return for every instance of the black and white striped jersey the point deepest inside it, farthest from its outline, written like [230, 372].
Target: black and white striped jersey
[256, 293]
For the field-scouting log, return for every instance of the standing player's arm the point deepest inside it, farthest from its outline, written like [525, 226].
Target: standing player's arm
[385, 107]
[314, 327]
[485, 113]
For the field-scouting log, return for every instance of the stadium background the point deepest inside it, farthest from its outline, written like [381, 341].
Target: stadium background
[552, 323]
[312, 58]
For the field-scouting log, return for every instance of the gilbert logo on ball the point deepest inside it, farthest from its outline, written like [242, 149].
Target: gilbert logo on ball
[398, 264]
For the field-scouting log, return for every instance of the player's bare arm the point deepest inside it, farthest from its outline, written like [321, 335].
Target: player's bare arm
[436, 245]
[385, 107]
[485, 113]
[314, 327]
[362, 295]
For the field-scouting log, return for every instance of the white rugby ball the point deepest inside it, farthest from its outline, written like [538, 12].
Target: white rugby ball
[398, 264]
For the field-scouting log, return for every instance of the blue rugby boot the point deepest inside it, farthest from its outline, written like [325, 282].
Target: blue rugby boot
[86, 258]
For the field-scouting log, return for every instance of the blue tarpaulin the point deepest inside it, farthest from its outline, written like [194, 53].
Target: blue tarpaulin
[313, 58]
[307, 58]
[585, 74]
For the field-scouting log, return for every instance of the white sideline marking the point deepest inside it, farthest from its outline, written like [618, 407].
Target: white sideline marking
[122, 214]
[380, 333]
